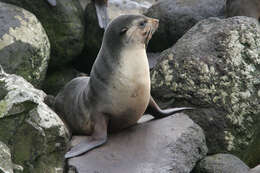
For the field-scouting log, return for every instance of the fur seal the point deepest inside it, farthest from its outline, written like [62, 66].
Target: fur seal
[101, 10]
[117, 93]
[250, 8]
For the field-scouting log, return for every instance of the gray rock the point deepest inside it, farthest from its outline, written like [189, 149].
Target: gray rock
[64, 25]
[178, 16]
[221, 163]
[215, 67]
[34, 133]
[24, 45]
[255, 170]
[6, 165]
[172, 144]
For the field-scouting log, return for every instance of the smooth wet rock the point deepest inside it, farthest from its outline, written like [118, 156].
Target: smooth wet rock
[24, 45]
[64, 25]
[215, 67]
[33, 132]
[221, 163]
[178, 16]
[255, 170]
[172, 144]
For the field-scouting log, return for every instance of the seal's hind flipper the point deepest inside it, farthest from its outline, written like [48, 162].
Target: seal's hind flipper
[52, 2]
[98, 138]
[154, 110]
[101, 10]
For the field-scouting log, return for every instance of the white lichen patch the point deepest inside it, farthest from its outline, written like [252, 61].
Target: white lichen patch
[6, 40]
[230, 140]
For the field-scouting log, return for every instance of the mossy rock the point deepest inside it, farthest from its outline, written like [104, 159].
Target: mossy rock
[24, 45]
[33, 132]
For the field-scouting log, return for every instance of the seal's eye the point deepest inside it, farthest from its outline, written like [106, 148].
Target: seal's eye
[142, 23]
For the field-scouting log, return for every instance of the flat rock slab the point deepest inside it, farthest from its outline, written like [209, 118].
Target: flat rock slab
[172, 144]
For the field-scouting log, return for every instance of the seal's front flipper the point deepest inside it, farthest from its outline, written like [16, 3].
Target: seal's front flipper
[52, 2]
[154, 110]
[84, 147]
[101, 10]
[98, 138]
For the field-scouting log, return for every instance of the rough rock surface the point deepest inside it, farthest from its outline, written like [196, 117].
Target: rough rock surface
[24, 45]
[222, 163]
[172, 144]
[6, 165]
[216, 67]
[34, 133]
[178, 16]
[64, 25]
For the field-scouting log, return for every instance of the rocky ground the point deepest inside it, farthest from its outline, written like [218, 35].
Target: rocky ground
[198, 57]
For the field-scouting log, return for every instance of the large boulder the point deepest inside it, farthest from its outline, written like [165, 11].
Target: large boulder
[33, 132]
[222, 163]
[172, 144]
[178, 16]
[24, 45]
[215, 67]
[64, 25]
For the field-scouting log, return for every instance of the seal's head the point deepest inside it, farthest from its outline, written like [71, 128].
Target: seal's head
[130, 30]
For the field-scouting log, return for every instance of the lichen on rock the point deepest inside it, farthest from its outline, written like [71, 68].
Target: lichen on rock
[33, 132]
[215, 67]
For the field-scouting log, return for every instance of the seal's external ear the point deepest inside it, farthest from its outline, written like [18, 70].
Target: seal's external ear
[123, 30]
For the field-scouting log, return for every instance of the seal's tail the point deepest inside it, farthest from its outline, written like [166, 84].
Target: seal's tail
[50, 100]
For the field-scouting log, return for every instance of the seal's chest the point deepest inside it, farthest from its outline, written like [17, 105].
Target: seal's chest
[133, 73]
[131, 82]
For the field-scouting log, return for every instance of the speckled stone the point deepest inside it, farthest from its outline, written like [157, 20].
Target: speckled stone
[34, 133]
[215, 67]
